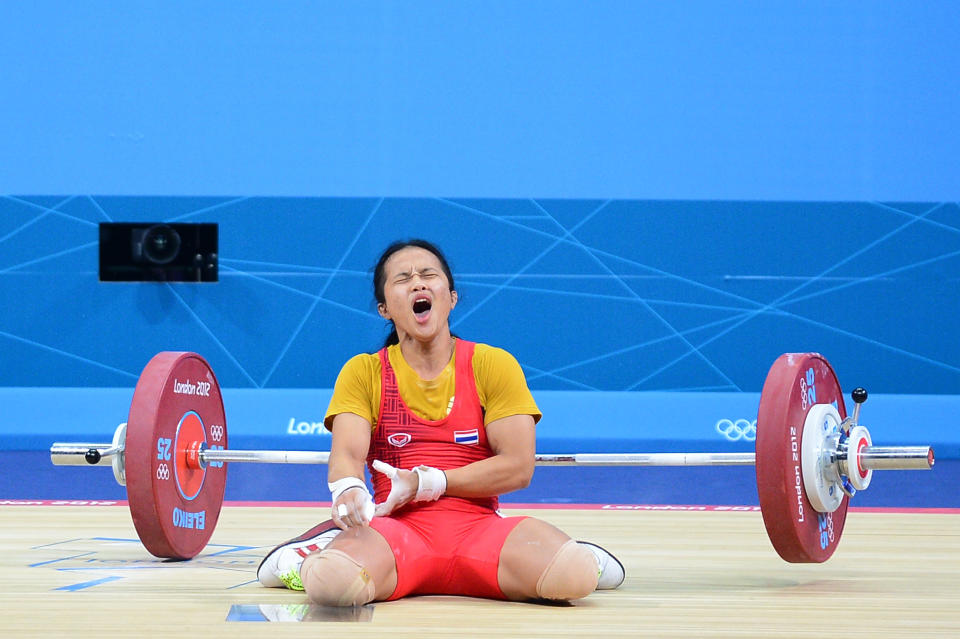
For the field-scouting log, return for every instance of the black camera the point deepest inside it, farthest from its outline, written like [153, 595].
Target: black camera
[158, 252]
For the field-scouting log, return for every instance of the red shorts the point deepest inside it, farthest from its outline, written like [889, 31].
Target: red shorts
[444, 548]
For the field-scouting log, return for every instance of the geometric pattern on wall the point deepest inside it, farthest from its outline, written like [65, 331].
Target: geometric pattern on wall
[619, 295]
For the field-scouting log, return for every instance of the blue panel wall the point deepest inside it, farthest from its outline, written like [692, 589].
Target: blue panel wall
[610, 295]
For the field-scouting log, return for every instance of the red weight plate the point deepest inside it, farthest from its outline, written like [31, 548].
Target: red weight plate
[174, 506]
[795, 382]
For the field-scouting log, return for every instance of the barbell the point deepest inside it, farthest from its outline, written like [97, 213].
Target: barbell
[810, 457]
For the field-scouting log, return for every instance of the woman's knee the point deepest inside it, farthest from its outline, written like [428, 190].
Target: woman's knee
[334, 578]
[539, 560]
[571, 574]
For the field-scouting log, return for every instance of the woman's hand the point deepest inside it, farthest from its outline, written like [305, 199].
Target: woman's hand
[423, 483]
[403, 487]
[352, 507]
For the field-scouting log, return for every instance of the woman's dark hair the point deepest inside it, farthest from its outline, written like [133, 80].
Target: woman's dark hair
[380, 275]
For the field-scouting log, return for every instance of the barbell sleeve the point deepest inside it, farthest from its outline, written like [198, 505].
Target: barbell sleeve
[74, 453]
[897, 458]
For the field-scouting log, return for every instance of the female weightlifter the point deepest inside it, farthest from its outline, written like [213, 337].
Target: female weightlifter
[445, 426]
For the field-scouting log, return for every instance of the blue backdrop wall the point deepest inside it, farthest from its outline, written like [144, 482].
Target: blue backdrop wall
[614, 295]
[637, 197]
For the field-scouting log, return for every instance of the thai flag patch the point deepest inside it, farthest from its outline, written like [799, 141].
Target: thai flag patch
[466, 436]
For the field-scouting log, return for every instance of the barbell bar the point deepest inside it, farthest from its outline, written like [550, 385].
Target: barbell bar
[810, 457]
[871, 457]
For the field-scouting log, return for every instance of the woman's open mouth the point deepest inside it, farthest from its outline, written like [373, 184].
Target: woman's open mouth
[421, 308]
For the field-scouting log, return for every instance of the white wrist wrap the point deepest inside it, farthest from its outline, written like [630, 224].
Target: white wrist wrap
[433, 483]
[338, 487]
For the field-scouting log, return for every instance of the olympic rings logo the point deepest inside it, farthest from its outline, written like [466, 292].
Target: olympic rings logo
[163, 472]
[216, 432]
[736, 430]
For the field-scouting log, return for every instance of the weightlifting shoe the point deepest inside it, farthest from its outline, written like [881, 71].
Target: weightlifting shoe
[610, 568]
[281, 567]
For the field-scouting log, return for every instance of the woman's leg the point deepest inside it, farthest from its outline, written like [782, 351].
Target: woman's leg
[356, 568]
[539, 561]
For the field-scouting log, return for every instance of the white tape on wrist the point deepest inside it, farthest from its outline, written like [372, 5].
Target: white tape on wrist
[340, 486]
[433, 483]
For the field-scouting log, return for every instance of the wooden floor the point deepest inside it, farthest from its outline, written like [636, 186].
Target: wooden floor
[79, 572]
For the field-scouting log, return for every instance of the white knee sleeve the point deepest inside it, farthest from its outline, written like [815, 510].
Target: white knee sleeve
[571, 574]
[334, 578]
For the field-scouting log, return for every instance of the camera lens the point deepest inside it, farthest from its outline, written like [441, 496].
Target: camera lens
[160, 244]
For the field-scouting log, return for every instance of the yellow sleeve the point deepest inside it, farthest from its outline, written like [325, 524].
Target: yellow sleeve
[357, 389]
[501, 385]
